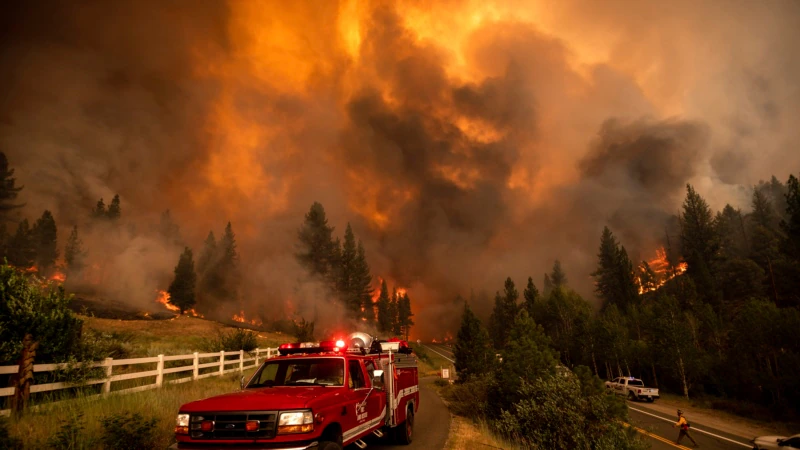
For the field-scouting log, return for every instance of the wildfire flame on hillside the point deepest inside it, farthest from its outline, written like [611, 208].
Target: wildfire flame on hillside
[655, 273]
[241, 319]
[163, 298]
[57, 275]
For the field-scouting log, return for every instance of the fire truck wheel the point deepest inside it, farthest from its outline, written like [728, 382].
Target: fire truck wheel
[406, 430]
[328, 445]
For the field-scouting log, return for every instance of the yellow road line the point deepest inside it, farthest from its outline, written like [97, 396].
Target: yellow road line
[656, 437]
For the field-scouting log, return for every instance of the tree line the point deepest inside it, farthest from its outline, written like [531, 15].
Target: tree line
[343, 268]
[726, 327]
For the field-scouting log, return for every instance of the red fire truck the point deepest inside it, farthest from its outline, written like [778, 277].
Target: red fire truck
[320, 396]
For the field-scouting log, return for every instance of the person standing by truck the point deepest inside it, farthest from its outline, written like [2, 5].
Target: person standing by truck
[684, 426]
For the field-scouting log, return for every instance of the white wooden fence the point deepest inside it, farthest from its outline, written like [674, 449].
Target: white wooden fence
[221, 363]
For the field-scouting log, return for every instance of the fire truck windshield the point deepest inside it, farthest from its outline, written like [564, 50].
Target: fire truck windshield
[300, 372]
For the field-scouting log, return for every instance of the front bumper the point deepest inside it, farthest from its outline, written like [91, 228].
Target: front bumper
[223, 446]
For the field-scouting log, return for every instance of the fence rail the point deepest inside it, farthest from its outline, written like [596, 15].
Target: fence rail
[255, 357]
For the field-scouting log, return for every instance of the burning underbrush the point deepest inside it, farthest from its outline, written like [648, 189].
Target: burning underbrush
[655, 273]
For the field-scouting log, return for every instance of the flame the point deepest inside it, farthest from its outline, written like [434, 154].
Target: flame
[58, 276]
[662, 269]
[241, 319]
[163, 298]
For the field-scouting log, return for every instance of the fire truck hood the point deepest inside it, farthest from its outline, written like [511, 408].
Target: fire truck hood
[270, 398]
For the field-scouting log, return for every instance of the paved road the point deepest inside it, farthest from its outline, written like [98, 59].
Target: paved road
[662, 436]
[441, 350]
[431, 425]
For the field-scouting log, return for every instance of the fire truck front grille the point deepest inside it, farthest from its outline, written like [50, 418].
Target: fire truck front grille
[214, 425]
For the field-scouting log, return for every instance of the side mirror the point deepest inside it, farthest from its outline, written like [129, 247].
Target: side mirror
[377, 379]
[241, 383]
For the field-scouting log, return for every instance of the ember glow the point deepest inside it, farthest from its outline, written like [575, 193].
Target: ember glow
[241, 319]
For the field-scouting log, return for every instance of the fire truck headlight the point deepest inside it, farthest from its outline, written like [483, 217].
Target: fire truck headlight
[182, 424]
[296, 422]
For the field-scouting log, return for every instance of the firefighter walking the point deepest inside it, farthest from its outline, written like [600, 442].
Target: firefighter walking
[683, 424]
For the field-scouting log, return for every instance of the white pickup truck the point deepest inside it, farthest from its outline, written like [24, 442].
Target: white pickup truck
[633, 388]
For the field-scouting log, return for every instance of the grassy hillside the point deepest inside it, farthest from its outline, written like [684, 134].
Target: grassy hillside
[179, 335]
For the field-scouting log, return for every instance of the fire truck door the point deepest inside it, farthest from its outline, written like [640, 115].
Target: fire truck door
[359, 393]
[376, 404]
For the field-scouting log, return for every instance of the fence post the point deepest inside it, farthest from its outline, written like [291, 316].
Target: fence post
[257, 350]
[160, 369]
[241, 360]
[195, 368]
[109, 368]
[221, 362]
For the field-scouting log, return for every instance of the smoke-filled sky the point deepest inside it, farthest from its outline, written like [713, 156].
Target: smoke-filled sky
[465, 141]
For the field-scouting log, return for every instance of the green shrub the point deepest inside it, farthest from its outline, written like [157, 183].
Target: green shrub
[71, 435]
[441, 382]
[129, 431]
[471, 398]
[7, 442]
[238, 339]
[422, 355]
[303, 331]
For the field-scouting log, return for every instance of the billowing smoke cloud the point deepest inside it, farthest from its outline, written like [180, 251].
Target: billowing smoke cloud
[465, 141]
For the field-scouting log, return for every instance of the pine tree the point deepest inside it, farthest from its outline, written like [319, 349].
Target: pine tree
[228, 266]
[547, 284]
[473, 349]
[347, 262]
[21, 250]
[74, 255]
[114, 210]
[316, 243]
[404, 315]
[606, 282]
[764, 242]
[209, 255]
[393, 309]
[557, 276]
[182, 289]
[505, 309]
[44, 239]
[8, 188]
[526, 356]
[531, 296]
[362, 286]
[99, 211]
[731, 233]
[384, 319]
[699, 243]
[791, 226]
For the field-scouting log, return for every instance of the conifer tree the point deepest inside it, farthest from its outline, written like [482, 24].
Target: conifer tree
[764, 242]
[505, 310]
[698, 238]
[74, 254]
[362, 286]
[531, 296]
[44, 237]
[316, 243]
[393, 309]
[182, 289]
[547, 284]
[384, 319]
[114, 210]
[557, 276]
[228, 266]
[99, 211]
[8, 188]
[791, 226]
[21, 250]
[404, 314]
[347, 264]
[473, 349]
[209, 254]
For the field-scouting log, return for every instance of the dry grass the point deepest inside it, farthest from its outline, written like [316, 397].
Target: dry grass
[180, 335]
[35, 428]
[466, 435]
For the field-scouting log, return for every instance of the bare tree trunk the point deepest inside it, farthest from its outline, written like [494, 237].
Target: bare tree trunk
[24, 377]
[628, 367]
[594, 363]
[682, 371]
[655, 378]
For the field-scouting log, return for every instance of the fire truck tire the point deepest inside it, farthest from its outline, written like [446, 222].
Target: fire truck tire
[328, 445]
[405, 432]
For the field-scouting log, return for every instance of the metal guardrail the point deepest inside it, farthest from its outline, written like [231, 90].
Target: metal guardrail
[159, 372]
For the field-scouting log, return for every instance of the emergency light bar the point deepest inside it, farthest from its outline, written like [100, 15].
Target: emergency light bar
[312, 347]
